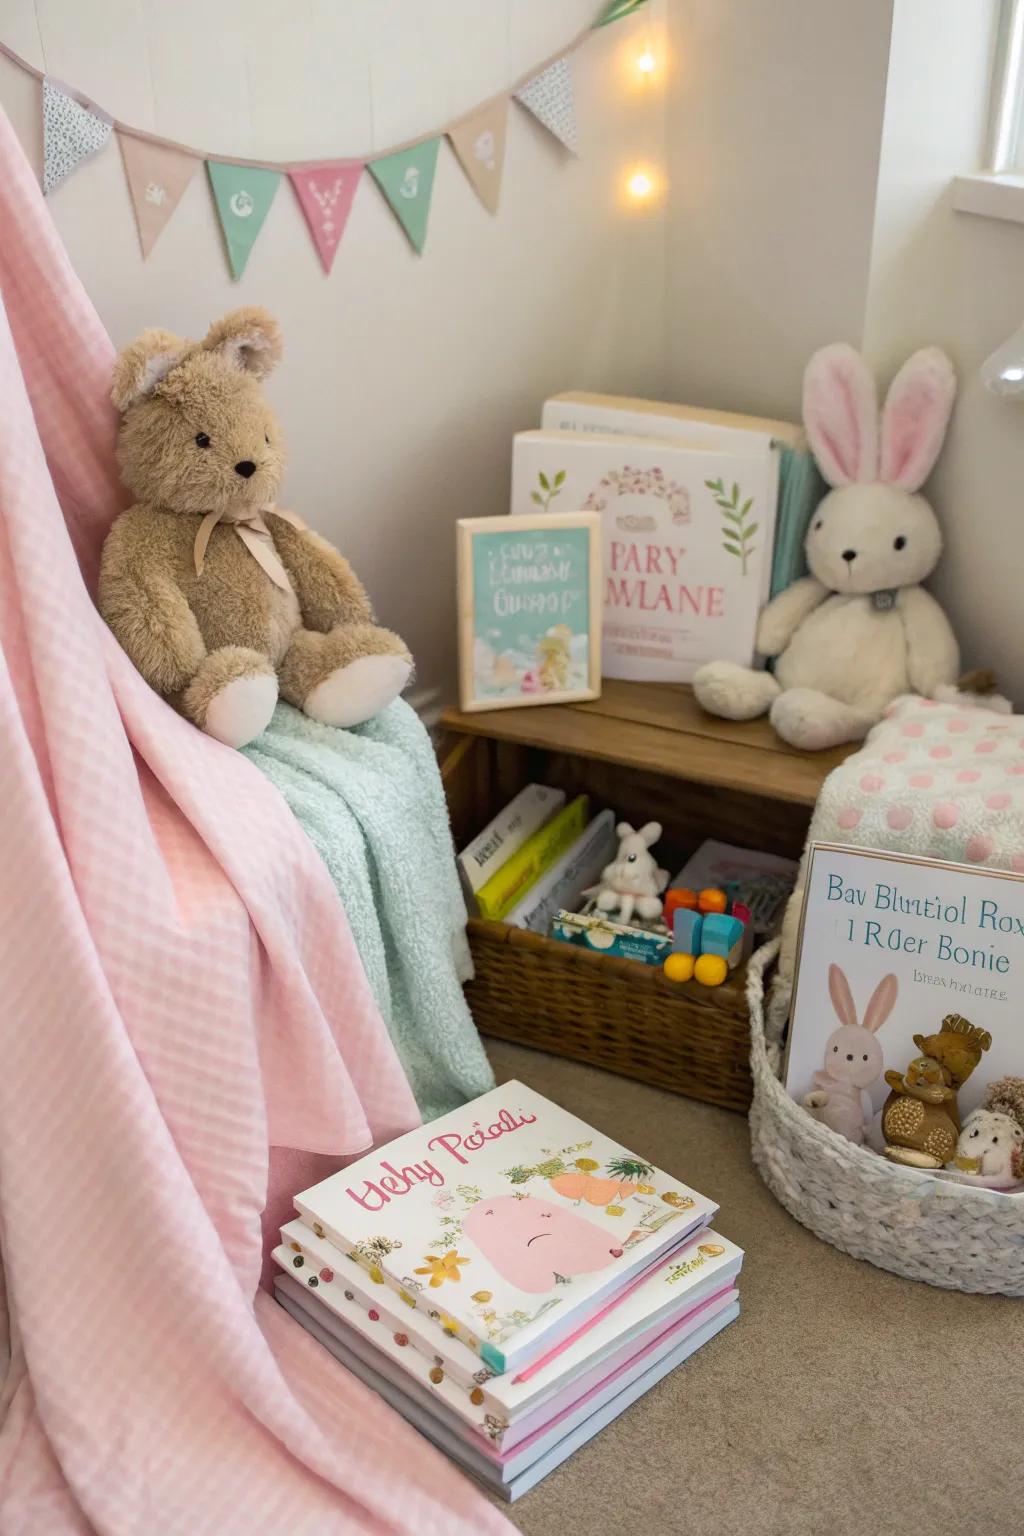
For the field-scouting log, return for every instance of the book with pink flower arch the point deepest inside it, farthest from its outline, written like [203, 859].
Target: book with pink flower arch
[688, 528]
[509, 1223]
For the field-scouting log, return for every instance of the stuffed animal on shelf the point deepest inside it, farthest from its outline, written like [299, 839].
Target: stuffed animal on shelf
[859, 630]
[221, 600]
[921, 1118]
[990, 1150]
[853, 1057]
[633, 882]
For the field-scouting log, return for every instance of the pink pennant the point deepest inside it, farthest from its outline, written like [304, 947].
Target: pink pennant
[325, 193]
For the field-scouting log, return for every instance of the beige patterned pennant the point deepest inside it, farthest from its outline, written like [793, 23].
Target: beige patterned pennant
[479, 142]
[157, 177]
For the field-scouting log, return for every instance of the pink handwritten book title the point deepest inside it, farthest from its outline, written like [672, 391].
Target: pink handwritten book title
[392, 1181]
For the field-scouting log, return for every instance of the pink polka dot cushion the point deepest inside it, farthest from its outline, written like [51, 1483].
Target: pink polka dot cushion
[945, 781]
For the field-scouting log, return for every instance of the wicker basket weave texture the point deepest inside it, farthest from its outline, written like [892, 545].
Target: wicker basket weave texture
[611, 1013]
[930, 1229]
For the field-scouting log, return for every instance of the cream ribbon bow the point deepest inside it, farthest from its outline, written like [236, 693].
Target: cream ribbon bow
[254, 534]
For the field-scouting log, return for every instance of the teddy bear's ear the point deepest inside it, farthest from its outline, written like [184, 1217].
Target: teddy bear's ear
[143, 364]
[250, 338]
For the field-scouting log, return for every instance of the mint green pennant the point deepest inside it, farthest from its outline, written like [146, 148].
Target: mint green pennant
[616, 10]
[407, 181]
[243, 194]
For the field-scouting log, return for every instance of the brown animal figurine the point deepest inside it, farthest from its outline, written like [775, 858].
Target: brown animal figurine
[921, 1118]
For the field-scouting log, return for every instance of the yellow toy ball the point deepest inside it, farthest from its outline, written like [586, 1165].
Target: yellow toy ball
[679, 967]
[711, 970]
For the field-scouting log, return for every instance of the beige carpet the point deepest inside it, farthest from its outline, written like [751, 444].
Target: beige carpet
[843, 1400]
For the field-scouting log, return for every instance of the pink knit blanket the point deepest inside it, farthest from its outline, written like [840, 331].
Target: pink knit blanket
[180, 993]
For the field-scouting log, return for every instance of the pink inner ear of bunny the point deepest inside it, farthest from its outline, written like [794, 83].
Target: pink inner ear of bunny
[842, 997]
[841, 415]
[883, 999]
[915, 417]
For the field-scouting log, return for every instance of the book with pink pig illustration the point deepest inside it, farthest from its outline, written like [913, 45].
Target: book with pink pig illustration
[513, 1225]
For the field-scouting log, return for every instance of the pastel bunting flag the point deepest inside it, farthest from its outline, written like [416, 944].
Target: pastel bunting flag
[157, 176]
[407, 180]
[549, 97]
[479, 142]
[325, 194]
[243, 195]
[73, 129]
[616, 10]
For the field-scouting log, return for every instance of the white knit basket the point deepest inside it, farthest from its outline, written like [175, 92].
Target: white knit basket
[963, 1238]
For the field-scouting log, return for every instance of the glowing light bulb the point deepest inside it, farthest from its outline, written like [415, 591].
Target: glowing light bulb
[640, 186]
[645, 63]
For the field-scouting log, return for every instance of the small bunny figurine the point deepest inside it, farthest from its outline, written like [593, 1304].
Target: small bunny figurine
[633, 883]
[853, 1057]
[859, 630]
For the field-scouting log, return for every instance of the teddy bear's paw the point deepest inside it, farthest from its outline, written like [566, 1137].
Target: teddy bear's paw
[354, 694]
[241, 710]
[733, 692]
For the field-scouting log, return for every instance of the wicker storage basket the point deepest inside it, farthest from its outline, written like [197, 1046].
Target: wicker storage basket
[612, 1013]
[948, 1234]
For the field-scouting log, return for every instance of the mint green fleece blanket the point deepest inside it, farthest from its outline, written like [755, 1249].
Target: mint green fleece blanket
[371, 802]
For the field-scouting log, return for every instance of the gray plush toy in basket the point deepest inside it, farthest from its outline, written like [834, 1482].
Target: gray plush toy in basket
[962, 1237]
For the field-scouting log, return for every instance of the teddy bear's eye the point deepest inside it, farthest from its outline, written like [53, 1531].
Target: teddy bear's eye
[899, 543]
[818, 526]
[630, 858]
[202, 440]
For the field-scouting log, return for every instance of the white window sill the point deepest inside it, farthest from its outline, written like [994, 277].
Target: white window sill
[991, 196]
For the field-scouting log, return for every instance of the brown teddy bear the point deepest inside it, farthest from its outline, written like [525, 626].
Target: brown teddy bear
[221, 600]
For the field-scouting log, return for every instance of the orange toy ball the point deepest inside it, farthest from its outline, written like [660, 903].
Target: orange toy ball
[679, 967]
[679, 896]
[712, 900]
[711, 970]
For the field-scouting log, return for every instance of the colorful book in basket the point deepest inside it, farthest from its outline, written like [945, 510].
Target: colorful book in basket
[510, 1223]
[688, 533]
[512, 880]
[503, 1409]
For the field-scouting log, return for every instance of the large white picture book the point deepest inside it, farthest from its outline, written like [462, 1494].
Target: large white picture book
[688, 532]
[509, 1222]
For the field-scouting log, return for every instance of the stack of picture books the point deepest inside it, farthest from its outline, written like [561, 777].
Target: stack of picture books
[509, 1279]
[703, 513]
[537, 856]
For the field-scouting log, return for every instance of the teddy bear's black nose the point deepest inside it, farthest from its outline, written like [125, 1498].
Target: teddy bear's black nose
[245, 469]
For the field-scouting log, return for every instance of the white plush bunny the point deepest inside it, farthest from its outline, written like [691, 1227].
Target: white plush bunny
[633, 883]
[853, 1057]
[859, 630]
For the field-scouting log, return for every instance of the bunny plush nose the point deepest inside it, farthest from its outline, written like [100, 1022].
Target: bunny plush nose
[849, 555]
[849, 1055]
[245, 468]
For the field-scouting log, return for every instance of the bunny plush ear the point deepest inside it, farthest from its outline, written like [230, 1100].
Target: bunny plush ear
[841, 415]
[143, 364]
[650, 833]
[881, 1004]
[249, 338]
[842, 997]
[624, 830]
[914, 421]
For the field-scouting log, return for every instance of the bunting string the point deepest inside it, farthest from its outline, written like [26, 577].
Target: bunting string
[158, 170]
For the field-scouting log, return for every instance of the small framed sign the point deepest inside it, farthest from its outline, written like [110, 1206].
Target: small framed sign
[529, 609]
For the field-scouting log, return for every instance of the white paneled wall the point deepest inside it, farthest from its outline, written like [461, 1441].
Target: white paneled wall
[404, 377]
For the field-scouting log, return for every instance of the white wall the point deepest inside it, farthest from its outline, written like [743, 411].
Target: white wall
[774, 128]
[812, 147]
[957, 279]
[404, 377]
